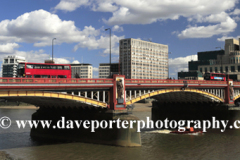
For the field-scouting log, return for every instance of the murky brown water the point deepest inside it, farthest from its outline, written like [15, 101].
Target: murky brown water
[212, 145]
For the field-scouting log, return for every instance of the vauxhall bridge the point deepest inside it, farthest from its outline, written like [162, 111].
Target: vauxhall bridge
[69, 97]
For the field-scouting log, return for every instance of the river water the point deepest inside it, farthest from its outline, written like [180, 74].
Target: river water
[210, 146]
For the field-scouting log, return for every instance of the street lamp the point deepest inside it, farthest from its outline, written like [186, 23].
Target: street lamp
[110, 49]
[52, 48]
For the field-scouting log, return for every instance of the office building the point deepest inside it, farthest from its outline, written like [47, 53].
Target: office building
[220, 61]
[204, 58]
[143, 59]
[104, 70]
[9, 65]
[82, 70]
[228, 63]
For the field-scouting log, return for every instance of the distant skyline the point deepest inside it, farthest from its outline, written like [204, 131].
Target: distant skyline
[186, 26]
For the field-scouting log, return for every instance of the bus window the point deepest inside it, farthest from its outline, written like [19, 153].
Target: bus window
[45, 67]
[54, 67]
[54, 76]
[59, 67]
[37, 66]
[29, 76]
[66, 67]
[62, 76]
[30, 66]
[37, 76]
[21, 65]
[45, 76]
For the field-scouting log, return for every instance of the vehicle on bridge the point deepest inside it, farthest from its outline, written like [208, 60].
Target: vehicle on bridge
[215, 76]
[43, 70]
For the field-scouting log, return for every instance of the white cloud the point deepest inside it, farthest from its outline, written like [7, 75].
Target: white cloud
[61, 61]
[235, 12]
[101, 43]
[205, 32]
[95, 69]
[37, 27]
[213, 18]
[150, 11]
[236, 18]
[180, 63]
[75, 62]
[117, 28]
[40, 26]
[40, 56]
[70, 5]
[104, 6]
[34, 56]
[8, 48]
[225, 37]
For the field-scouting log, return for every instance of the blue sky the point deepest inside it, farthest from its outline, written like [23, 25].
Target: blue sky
[187, 26]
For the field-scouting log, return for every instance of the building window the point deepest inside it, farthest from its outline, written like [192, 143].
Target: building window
[216, 69]
[238, 68]
[221, 69]
[11, 60]
[232, 68]
[205, 69]
[200, 69]
[210, 69]
[226, 69]
[5, 60]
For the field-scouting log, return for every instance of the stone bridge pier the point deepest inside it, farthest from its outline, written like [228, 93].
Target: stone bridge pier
[85, 122]
[97, 119]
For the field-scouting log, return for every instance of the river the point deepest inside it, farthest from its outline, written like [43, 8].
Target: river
[210, 146]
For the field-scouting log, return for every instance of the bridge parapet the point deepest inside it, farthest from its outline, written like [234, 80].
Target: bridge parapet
[107, 91]
[168, 81]
[54, 80]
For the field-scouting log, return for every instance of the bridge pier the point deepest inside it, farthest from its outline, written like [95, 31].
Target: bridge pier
[128, 137]
[194, 111]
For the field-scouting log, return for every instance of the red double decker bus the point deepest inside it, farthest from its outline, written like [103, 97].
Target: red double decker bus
[43, 70]
[215, 76]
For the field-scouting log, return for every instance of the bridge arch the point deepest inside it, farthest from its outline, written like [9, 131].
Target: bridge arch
[236, 97]
[53, 98]
[210, 96]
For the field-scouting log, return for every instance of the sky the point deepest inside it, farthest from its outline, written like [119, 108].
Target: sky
[27, 28]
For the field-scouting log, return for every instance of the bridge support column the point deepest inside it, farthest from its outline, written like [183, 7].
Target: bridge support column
[229, 93]
[64, 127]
[130, 95]
[103, 96]
[118, 93]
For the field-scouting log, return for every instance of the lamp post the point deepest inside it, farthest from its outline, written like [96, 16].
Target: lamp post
[168, 63]
[110, 49]
[52, 48]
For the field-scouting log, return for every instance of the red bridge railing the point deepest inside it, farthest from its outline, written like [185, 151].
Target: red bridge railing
[53, 80]
[99, 81]
[134, 81]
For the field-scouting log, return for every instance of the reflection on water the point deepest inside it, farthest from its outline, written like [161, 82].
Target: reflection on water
[212, 145]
